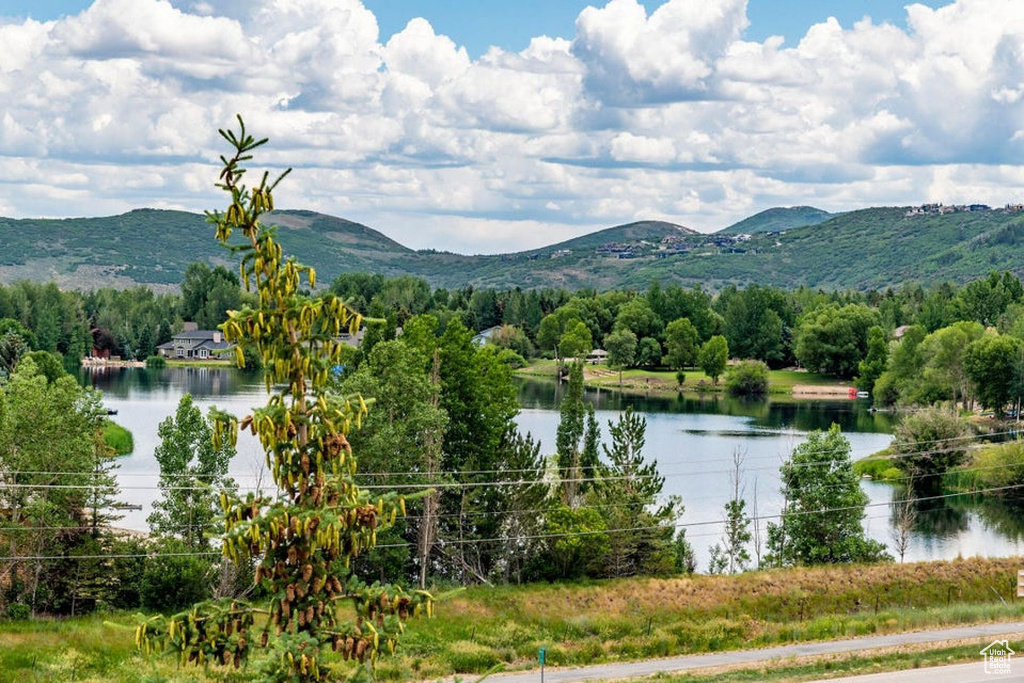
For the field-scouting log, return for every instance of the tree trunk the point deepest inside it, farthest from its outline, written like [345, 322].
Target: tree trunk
[428, 525]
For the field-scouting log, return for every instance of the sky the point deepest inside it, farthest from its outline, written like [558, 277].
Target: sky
[492, 126]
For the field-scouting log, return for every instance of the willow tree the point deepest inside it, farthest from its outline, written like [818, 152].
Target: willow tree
[302, 538]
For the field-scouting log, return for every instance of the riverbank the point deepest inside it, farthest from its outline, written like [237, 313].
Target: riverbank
[798, 384]
[600, 621]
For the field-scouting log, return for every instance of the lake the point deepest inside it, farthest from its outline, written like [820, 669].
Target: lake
[692, 438]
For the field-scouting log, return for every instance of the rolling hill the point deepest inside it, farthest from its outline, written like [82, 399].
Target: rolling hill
[868, 248]
[778, 219]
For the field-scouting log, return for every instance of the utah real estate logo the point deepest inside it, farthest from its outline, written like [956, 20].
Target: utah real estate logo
[997, 657]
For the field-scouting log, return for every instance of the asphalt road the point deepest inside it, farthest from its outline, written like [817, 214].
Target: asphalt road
[958, 673]
[650, 667]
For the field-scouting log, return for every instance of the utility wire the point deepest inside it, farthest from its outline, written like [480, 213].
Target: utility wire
[512, 539]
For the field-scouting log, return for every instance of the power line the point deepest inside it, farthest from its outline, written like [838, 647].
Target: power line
[413, 473]
[512, 539]
[457, 484]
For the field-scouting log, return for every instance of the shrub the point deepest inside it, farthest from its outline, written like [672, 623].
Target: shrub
[156, 362]
[173, 579]
[469, 657]
[50, 365]
[18, 611]
[930, 442]
[512, 359]
[1000, 465]
[749, 378]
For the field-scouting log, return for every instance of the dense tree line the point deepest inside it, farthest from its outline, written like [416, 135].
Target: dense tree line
[665, 326]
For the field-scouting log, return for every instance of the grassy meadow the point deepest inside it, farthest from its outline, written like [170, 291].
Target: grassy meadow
[118, 438]
[587, 623]
[780, 382]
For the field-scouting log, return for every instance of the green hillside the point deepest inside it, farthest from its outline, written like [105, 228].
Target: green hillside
[869, 248]
[154, 247]
[778, 219]
[641, 231]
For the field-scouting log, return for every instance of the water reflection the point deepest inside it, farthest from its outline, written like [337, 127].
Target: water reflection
[692, 437]
[777, 413]
[201, 382]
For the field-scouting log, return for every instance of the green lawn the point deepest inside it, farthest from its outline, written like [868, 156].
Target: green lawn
[635, 379]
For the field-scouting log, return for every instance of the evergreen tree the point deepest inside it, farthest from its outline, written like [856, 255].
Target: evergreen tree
[303, 539]
[524, 502]
[641, 527]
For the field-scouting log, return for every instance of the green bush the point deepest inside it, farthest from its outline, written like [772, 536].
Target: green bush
[930, 442]
[50, 365]
[1000, 465]
[156, 362]
[512, 359]
[17, 611]
[118, 438]
[173, 580]
[748, 378]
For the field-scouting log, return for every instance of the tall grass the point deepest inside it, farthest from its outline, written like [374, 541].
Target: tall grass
[118, 438]
[607, 620]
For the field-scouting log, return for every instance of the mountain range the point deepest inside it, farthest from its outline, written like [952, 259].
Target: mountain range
[788, 247]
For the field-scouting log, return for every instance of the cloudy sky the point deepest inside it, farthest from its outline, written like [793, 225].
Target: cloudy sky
[507, 125]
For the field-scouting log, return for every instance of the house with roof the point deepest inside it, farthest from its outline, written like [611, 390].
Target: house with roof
[484, 336]
[195, 344]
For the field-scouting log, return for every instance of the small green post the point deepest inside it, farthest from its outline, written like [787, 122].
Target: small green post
[540, 656]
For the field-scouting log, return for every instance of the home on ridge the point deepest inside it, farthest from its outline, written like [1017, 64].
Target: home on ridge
[195, 344]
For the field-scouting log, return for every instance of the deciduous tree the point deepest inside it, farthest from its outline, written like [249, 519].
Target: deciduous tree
[681, 344]
[822, 518]
[713, 357]
[193, 470]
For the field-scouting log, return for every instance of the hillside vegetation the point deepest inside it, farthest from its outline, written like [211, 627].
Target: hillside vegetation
[869, 248]
[778, 219]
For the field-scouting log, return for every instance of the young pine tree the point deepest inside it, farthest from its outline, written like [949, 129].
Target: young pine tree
[303, 538]
[641, 526]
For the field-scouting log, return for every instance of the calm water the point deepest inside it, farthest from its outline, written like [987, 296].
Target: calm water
[693, 439]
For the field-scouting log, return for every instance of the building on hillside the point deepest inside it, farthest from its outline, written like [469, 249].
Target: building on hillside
[195, 344]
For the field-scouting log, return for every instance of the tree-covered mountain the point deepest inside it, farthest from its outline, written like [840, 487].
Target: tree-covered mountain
[868, 248]
[778, 219]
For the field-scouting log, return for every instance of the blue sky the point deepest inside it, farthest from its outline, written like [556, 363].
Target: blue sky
[478, 24]
[582, 117]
